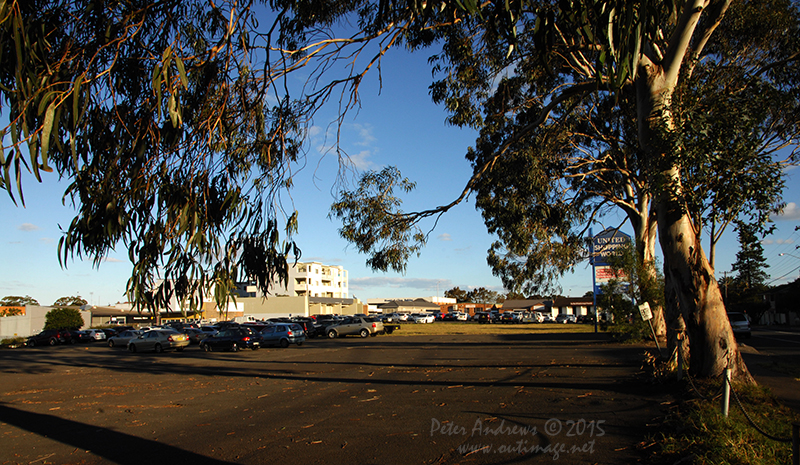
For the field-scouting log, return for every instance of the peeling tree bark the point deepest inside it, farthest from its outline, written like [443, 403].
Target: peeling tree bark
[687, 270]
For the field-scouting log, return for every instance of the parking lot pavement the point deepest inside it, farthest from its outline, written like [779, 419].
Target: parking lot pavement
[571, 398]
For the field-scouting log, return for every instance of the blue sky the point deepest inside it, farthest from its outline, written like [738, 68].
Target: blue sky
[398, 126]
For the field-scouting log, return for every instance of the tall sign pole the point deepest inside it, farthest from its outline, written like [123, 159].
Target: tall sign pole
[594, 280]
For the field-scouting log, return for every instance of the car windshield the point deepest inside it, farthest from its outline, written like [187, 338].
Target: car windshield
[737, 317]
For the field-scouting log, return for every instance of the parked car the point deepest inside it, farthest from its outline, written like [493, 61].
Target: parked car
[309, 326]
[482, 317]
[232, 338]
[49, 337]
[524, 317]
[109, 332]
[159, 340]
[547, 318]
[565, 318]
[283, 334]
[96, 334]
[361, 326]
[80, 336]
[508, 317]
[740, 324]
[421, 318]
[195, 335]
[122, 339]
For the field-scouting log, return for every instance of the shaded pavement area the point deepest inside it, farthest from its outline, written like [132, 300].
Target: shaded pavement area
[533, 398]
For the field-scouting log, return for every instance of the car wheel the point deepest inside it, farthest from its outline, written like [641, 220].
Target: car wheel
[31, 343]
[52, 341]
[256, 346]
[206, 347]
[132, 347]
[234, 347]
[331, 334]
[364, 333]
[71, 340]
[299, 344]
[158, 348]
[110, 343]
[389, 331]
[179, 349]
[284, 343]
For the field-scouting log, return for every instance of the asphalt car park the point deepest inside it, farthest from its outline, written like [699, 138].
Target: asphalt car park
[568, 398]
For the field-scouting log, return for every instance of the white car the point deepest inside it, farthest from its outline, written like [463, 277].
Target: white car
[96, 334]
[421, 318]
[461, 317]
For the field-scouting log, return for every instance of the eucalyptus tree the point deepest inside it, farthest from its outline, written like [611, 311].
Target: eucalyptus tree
[177, 125]
[533, 90]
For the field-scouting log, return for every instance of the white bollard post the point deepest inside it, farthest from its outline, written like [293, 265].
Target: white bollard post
[726, 392]
[680, 357]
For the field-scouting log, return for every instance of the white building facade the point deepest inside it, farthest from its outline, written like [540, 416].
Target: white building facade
[306, 279]
[313, 279]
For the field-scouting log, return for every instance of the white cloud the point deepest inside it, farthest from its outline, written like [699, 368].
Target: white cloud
[314, 131]
[28, 227]
[365, 134]
[112, 260]
[46, 240]
[445, 237]
[790, 212]
[361, 160]
[398, 283]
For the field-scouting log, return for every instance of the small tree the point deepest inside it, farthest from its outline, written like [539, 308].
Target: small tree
[457, 293]
[482, 295]
[746, 288]
[643, 286]
[72, 301]
[60, 318]
[17, 301]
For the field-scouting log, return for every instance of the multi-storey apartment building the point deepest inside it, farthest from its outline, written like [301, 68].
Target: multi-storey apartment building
[308, 279]
[313, 279]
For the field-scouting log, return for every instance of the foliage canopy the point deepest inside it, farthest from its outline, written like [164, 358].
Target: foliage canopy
[63, 318]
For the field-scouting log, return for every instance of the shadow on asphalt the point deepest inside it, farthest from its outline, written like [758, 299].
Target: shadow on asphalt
[529, 374]
[111, 445]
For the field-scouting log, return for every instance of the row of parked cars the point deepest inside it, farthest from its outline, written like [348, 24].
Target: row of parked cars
[279, 332]
[489, 317]
[51, 337]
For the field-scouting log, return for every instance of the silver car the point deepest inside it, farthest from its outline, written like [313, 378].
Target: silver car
[159, 340]
[122, 339]
[360, 326]
[740, 324]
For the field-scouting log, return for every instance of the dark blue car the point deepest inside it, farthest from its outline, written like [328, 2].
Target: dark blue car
[232, 338]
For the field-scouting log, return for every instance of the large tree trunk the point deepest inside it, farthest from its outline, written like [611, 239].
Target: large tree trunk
[712, 345]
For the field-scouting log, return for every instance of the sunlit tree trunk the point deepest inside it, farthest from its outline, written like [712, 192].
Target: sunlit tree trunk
[689, 274]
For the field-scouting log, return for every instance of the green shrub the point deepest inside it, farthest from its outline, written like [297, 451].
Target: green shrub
[60, 318]
[11, 342]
